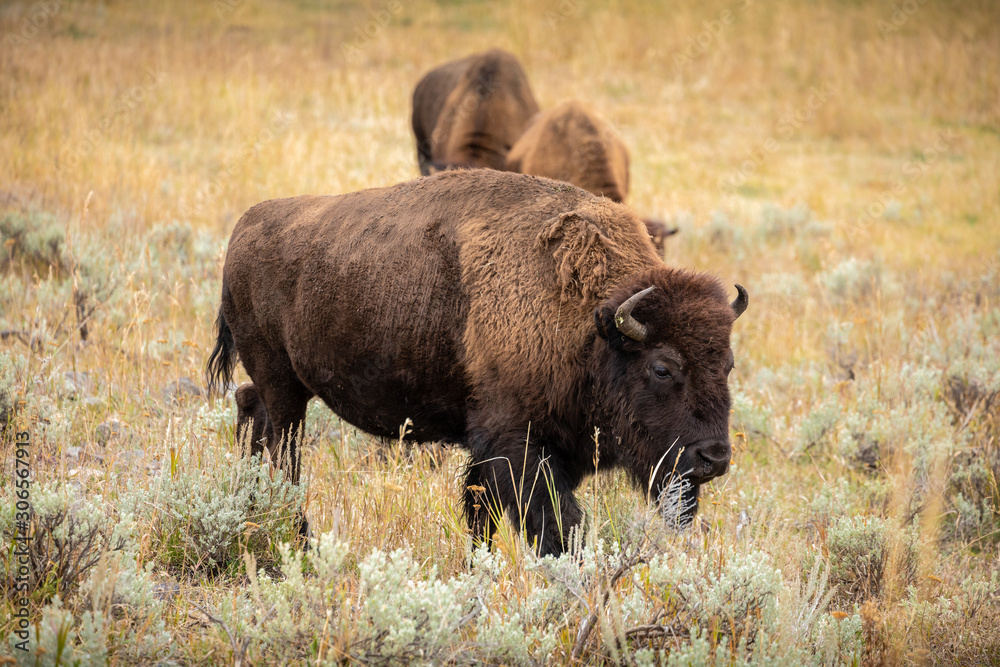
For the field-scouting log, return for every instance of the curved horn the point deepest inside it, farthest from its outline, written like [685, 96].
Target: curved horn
[628, 324]
[740, 303]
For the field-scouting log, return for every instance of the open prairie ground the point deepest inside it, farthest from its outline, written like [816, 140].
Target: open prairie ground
[840, 159]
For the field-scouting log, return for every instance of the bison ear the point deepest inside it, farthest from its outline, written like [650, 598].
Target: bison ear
[658, 227]
[658, 232]
[604, 320]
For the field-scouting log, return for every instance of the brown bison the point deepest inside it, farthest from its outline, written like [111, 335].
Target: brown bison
[469, 112]
[510, 314]
[573, 144]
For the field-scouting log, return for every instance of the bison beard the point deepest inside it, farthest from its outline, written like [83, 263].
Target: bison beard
[510, 307]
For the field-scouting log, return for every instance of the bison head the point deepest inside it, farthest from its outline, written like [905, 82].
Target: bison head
[662, 379]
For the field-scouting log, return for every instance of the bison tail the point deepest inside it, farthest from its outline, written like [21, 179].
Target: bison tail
[222, 362]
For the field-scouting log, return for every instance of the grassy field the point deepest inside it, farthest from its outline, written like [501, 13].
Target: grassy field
[840, 159]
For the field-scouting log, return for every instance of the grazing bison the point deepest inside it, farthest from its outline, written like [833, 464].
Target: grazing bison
[573, 144]
[469, 112]
[510, 314]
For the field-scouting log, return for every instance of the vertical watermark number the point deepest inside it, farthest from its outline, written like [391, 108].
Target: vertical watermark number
[22, 523]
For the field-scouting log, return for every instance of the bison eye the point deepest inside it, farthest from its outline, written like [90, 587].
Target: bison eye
[662, 371]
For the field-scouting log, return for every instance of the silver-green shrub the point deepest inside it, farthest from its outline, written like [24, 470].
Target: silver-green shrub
[57, 640]
[737, 608]
[116, 611]
[408, 618]
[68, 534]
[819, 422]
[961, 629]
[859, 549]
[204, 507]
[34, 239]
[851, 279]
[10, 366]
[391, 612]
[735, 601]
[750, 417]
[124, 592]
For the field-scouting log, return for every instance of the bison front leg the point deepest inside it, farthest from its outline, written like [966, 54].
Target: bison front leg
[532, 491]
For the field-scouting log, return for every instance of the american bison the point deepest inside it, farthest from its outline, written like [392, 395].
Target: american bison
[509, 314]
[571, 143]
[469, 112]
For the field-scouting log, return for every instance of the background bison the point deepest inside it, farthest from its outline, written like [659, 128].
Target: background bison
[572, 143]
[479, 111]
[469, 112]
[519, 315]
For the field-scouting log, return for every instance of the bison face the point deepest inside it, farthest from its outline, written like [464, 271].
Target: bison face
[663, 379]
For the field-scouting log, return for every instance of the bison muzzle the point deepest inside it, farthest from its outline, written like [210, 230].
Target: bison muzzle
[513, 315]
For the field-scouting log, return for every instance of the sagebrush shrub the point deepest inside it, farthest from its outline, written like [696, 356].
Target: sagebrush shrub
[750, 417]
[859, 550]
[963, 629]
[35, 240]
[10, 366]
[387, 611]
[970, 388]
[57, 639]
[126, 592]
[115, 611]
[69, 532]
[205, 507]
[851, 279]
[735, 601]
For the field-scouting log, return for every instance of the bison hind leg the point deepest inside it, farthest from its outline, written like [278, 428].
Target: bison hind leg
[254, 430]
[252, 422]
[277, 400]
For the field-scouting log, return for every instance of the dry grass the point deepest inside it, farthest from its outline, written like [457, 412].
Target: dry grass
[147, 129]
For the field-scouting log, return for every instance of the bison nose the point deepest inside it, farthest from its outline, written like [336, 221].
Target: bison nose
[714, 458]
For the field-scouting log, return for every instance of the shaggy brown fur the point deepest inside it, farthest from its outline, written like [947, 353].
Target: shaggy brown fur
[469, 112]
[480, 305]
[571, 143]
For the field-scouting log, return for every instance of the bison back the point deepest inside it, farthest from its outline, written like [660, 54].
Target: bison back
[573, 144]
